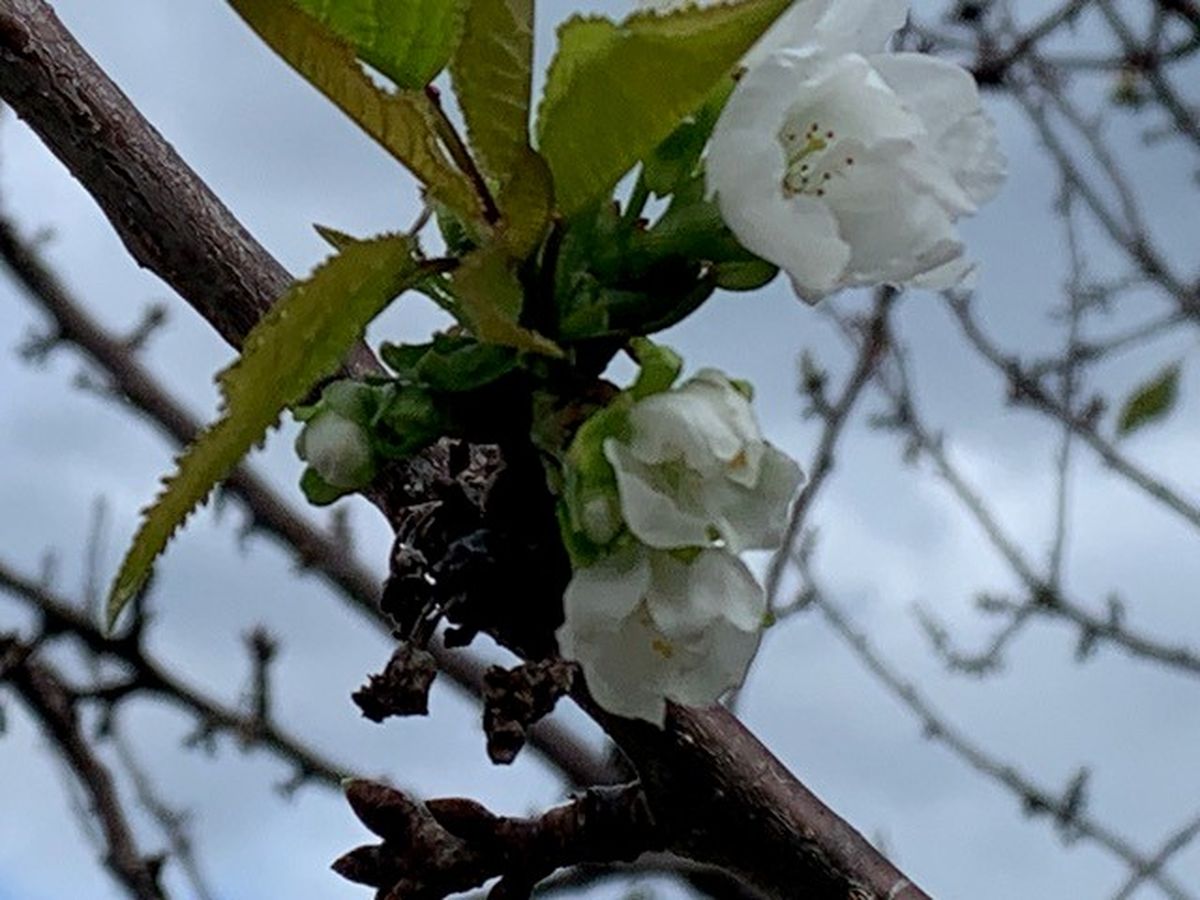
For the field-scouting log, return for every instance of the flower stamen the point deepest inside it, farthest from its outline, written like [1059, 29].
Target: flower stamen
[663, 648]
[802, 157]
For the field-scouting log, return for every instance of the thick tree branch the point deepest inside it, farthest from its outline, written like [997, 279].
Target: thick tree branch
[720, 797]
[168, 219]
[444, 847]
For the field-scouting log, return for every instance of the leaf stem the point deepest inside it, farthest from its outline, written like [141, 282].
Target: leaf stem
[637, 201]
[461, 155]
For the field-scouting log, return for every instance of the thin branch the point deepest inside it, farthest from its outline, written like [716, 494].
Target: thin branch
[835, 416]
[1124, 234]
[1045, 598]
[1185, 120]
[1172, 846]
[150, 677]
[1068, 813]
[52, 704]
[172, 822]
[1026, 391]
[315, 549]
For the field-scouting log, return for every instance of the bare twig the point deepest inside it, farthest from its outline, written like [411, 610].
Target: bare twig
[873, 342]
[1026, 391]
[1064, 808]
[148, 676]
[54, 706]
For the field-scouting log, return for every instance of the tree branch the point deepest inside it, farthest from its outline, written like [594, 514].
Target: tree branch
[1066, 808]
[53, 705]
[448, 846]
[167, 217]
[149, 677]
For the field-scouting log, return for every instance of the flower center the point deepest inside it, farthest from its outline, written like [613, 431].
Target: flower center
[809, 167]
[663, 648]
[658, 643]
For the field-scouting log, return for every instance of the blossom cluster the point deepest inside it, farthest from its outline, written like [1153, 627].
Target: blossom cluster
[846, 165]
[668, 491]
[843, 165]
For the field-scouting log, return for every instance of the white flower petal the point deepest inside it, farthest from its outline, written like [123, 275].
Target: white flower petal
[896, 231]
[601, 596]
[723, 587]
[755, 518]
[703, 677]
[795, 28]
[695, 468]
[799, 235]
[842, 95]
[689, 640]
[958, 272]
[859, 26]
[960, 137]
[337, 448]
[692, 424]
[623, 669]
[972, 150]
[845, 170]
[654, 503]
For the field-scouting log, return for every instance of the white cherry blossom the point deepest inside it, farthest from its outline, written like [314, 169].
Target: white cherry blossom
[647, 627]
[848, 166]
[695, 469]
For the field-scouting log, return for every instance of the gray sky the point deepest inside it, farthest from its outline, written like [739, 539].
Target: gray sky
[891, 536]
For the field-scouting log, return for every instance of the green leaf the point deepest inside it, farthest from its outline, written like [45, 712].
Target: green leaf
[338, 240]
[1151, 402]
[659, 367]
[318, 491]
[403, 122]
[591, 482]
[677, 158]
[301, 340]
[491, 296]
[526, 203]
[410, 422]
[409, 41]
[749, 275]
[451, 363]
[616, 91]
[493, 74]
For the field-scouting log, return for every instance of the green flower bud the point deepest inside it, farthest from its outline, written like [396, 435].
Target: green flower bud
[338, 449]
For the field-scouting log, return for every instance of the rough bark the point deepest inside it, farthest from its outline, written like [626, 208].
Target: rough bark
[167, 217]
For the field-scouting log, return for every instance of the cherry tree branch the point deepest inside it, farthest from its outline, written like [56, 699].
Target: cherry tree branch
[1027, 391]
[888, 375]
[721, 796]
[53, 705]
[167, 217]
[835, 416]
[1066, 808]
[448, 846]
[147, 676]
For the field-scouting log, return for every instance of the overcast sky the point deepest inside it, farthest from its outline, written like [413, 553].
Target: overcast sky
[891, 536]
